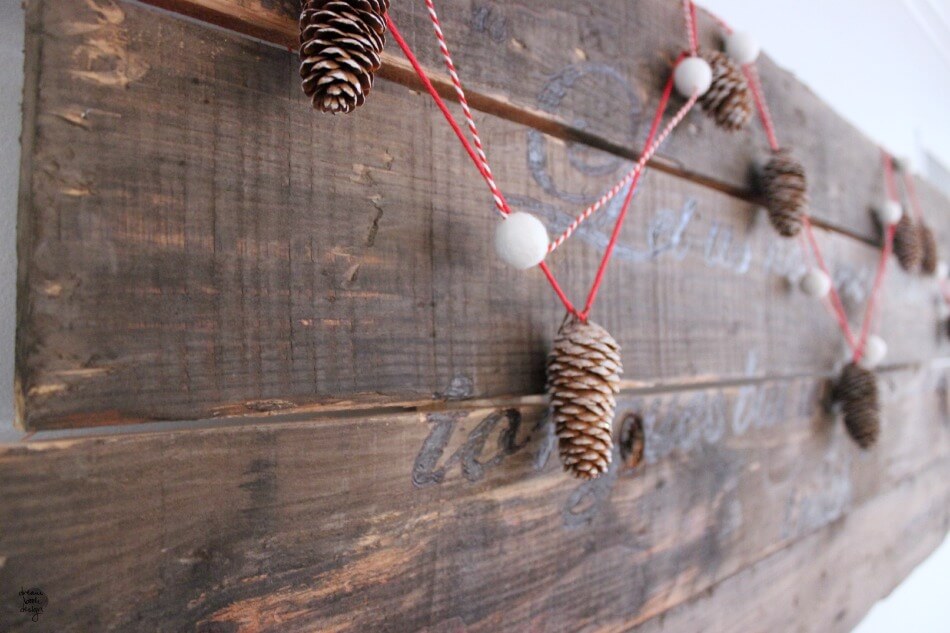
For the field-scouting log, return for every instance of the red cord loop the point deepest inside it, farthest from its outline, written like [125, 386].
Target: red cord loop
[834, 302]
[479, 158]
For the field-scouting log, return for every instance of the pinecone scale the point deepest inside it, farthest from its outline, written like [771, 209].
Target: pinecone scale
[786, 193]
[584, 370]
[728, 100]
[857, 392]
[907, 244]
[340, 46]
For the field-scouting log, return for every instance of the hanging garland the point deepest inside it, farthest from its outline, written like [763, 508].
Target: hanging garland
[341, 42]
[785, 190]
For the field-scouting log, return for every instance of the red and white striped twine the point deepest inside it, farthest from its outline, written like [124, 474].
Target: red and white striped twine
[648, 153]
[500, 202]
[689, 13]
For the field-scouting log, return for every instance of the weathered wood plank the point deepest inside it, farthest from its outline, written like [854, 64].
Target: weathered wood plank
[196, 243]
[451, 520]
[572, 70]
[800, 588]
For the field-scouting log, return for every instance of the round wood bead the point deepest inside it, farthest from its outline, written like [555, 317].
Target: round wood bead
[742, 48]
[815, 283]
[692, 76]
[521, 241]
[875, 349]
[888, 212]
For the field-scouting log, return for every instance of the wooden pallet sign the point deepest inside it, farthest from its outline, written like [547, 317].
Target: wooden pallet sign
[320, 398]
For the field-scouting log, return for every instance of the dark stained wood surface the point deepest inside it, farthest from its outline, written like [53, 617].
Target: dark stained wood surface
[453, 519]
[574, 70]
[804, 587]
[198, 243]
[195, 243]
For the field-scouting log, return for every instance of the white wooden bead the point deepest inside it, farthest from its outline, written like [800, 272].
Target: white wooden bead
[875, 349]
[521, 240]
[815, 283]
[742, 48]
[943, 270]
[888, 212]
[692, 76]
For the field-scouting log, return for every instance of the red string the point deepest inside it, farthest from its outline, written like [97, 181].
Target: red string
[869, 314]
[834, 303]
[557, 289]
[837, 307]
[689, 13]
[404, 46]
[463, 101]
[608, 252]
[439, 102]
[760, 104]
[875, 291]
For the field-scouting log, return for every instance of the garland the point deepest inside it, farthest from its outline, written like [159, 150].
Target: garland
[341, 41]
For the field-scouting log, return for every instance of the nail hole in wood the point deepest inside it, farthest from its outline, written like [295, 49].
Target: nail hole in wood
[632, 440]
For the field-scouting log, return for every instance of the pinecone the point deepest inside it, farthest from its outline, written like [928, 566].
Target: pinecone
[907, 244]
[856, 390]
[728, 100]
[928, 248]
[583, 377]
[786, 192]
[340, 44]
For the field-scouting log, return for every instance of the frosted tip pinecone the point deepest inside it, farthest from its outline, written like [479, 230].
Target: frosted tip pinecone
[928, 247]
[584, 369]
[856, 390]
[786, 192]
[340, 46]
[728, 100]
[907, 244]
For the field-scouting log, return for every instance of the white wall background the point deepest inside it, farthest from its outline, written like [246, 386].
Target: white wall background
[883, 64]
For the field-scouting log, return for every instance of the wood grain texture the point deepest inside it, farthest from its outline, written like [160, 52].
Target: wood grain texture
[574, 71]
[196, 243]
[801, 588]
[453, 520]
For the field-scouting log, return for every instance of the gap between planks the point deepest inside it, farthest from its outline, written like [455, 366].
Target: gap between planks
[315, 414]
[227, 16]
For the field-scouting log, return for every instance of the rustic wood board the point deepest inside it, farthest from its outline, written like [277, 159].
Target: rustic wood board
[197, 243]
[573, 70]
[802, 588]
[455, 519]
